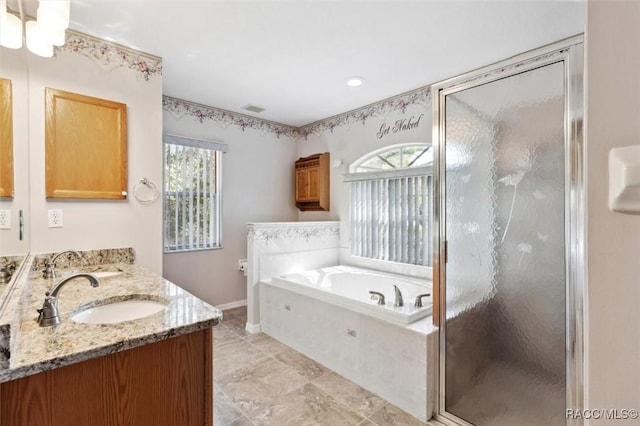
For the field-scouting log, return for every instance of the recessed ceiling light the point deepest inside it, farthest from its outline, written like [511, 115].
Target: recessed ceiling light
[355, 81]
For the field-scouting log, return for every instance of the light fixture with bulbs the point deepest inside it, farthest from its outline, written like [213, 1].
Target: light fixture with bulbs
[48, 30]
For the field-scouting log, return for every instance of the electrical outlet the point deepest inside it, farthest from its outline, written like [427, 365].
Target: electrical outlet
[55, 219]
[242, 265]
[5, 219]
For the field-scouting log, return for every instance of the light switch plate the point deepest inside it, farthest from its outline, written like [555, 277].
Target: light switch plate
[5, 219]
[55, 219]
[624, 179]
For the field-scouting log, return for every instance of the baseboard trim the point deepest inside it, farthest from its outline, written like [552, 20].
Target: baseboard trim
[231, 305]
[253, 328]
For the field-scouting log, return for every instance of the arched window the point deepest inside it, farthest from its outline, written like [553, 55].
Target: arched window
[390, 203]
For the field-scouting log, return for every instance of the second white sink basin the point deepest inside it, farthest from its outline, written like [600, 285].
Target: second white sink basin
[116, 312]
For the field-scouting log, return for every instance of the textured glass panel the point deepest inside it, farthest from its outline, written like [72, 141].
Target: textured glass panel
[505, 289]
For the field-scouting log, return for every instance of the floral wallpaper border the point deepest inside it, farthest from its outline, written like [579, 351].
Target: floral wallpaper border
[110, 55]
[400, 102]
[295, 230]
[179, 108]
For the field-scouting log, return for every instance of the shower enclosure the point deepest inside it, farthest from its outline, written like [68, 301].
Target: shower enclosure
[509, 221]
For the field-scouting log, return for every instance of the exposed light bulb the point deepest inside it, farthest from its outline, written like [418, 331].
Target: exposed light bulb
[54, 14]
[10, 28]
[37, 40]
[11, 31]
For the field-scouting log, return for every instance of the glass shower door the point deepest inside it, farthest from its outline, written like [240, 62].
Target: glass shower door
[505, 305]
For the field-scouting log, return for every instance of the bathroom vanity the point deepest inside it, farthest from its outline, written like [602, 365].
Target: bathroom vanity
[157, 369]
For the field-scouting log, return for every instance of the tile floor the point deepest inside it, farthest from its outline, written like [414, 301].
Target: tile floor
[260, 381]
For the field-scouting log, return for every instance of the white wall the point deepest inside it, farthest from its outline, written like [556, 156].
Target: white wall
[13, 66]
[95, 224]
[613, 114]
[257, 186]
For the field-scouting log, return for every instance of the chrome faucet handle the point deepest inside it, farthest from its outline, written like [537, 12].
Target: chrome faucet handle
[375, 295]
[399, 302]
[419, 297]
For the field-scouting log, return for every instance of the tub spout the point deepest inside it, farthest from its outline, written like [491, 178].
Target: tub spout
[399, 301]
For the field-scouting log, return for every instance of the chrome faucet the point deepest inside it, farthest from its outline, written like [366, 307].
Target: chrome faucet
[50, 265]
[49, 314]
[399, 301]
[419, 297]
[377, 296]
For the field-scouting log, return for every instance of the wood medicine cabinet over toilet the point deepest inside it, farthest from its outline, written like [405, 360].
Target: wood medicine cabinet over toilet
[312, 182]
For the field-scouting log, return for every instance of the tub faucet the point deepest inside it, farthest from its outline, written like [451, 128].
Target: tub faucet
[419, 297]
[399, 301]
[50, 265]
[378, 296]
[49, 314]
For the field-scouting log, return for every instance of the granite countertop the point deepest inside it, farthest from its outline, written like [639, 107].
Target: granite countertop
[35, 349]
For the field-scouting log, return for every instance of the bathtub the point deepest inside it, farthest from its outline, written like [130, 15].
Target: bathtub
[349, 286]
[327, 314]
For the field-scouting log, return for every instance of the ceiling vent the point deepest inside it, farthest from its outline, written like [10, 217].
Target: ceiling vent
[253, 108]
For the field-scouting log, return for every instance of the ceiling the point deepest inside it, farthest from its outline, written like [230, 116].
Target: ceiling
[293, 57]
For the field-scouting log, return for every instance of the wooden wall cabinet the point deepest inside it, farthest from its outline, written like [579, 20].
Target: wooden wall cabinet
[167, 383]
[85, 146]
[312, 182]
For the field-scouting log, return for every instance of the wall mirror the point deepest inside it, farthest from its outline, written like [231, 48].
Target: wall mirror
[6, 138]
[14, 151]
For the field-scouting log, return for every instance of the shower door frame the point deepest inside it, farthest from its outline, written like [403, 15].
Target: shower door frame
[571, 52]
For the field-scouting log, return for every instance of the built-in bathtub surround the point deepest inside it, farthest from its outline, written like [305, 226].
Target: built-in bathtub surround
[35, 349]
[278, 248]
[385, 296]
[89, 258]
[396, 362]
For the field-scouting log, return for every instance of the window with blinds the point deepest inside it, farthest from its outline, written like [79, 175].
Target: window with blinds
[191, 193]
[390, 203]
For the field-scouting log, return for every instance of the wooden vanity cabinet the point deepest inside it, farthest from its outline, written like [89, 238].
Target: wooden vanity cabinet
[167, 383]
[312, 182]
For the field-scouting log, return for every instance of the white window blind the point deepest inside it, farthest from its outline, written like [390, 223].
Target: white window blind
[390, 218]
[191, 193]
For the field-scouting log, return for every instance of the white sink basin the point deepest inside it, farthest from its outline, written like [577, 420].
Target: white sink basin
[106, 274]
[116, 312]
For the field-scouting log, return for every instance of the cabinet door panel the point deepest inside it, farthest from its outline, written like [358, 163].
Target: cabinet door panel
[302, 185]
[314, 184]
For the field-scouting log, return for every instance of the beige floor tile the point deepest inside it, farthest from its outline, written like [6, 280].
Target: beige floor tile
[301, 364]
[221, 331]
[234, 356]
[237, 325]
[257, 389]
[223, 411]
[350, 394]
[242, 421]
[310, 406]
[266, 343]
[390, 415]
[367, 422]
[240, 312]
